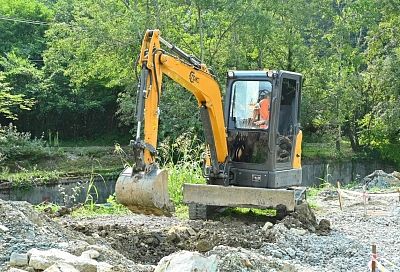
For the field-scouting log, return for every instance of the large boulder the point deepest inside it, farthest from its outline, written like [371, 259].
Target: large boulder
[18, 259]
[43, 259]
[187, 261]
[61, 267]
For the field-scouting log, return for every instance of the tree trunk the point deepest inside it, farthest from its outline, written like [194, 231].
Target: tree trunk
[200, 22]
[157, 15]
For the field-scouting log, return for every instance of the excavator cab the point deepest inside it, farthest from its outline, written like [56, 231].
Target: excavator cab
[263, 152]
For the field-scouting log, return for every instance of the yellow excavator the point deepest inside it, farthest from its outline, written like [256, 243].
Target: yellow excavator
[253, 139]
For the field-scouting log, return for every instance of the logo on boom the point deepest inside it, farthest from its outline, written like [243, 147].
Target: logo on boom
[193, 78]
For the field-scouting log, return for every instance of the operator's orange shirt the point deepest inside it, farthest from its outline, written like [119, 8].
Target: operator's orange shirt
[264, 109]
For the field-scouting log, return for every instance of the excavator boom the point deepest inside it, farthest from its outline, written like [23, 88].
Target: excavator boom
[143, 187]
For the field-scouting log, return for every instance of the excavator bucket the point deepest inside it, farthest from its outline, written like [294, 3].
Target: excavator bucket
[145, 193]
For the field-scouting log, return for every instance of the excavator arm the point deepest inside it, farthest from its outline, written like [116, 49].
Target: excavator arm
[143, 187]
[193, 76]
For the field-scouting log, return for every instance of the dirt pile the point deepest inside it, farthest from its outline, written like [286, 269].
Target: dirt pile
[148, 243]
[304, 217]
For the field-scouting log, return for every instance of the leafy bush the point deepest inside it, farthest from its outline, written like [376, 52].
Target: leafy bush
[15, 145]
[390, 152]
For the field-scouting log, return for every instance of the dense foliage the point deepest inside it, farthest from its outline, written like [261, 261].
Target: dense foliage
[75, 59]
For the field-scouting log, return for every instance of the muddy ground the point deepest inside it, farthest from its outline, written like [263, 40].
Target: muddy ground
[341, 242]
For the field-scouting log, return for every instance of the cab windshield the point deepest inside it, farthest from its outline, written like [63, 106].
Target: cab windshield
[250, 104]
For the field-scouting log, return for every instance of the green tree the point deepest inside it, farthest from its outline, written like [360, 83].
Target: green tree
[9, 103]
[22, 27]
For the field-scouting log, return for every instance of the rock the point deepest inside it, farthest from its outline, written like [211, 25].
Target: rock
[76, 247]
[91, 254]
[3, 228]
[299, 232]
[186, 261]
[267, 226]
[12, 269]
[204, 245]
[324, 226]
[276, 232]
[41, 260]
[291, 252]
[61, 267]
[178, 233]
[396, 175]
[96, 247]
[277, 254]
[18, 259]
[104, 267]
[305, 215]
[288, 268]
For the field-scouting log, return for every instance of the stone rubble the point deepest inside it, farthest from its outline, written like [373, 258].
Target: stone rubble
[382, 180]
[26, 234]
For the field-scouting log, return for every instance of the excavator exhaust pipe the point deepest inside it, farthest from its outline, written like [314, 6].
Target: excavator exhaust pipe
[145, 193]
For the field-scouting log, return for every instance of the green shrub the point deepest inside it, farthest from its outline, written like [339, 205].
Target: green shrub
[178, 175]
[15, 145]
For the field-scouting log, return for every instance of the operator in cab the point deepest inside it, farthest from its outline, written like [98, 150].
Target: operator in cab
[262, 108]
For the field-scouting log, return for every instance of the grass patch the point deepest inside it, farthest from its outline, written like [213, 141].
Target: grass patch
[243, 212]
[313, 193]
[43, 207]
[327, 151]
[351, 185]
[98, 210]
[91, 209]
[182, 211]
[69, 162]
[26, 179]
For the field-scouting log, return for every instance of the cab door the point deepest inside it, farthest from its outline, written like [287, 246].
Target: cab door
[287, 119]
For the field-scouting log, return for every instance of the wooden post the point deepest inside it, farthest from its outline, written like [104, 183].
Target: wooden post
[373, 263]
[365, 200]
[398, 190]
[340, 196]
